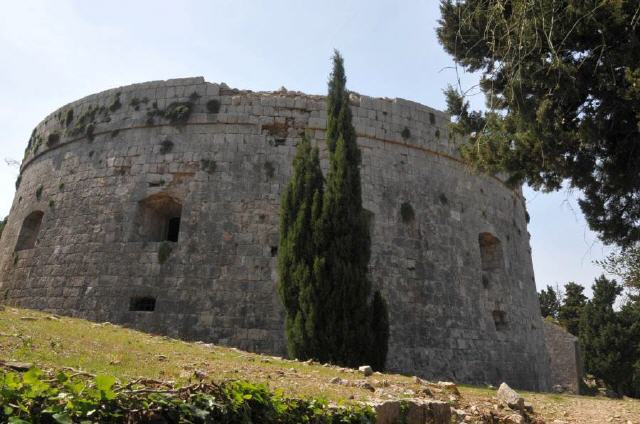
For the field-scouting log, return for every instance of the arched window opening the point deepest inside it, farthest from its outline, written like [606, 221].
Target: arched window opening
[29, 231]
[158, 219]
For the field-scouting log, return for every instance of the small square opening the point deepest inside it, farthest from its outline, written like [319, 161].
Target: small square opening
[499, 320]
[142, 304]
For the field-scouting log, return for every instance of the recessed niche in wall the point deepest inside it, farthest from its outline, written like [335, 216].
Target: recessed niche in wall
[142, 304]
[158, 219]
[29, 231]
[499, 319]
[490, 252]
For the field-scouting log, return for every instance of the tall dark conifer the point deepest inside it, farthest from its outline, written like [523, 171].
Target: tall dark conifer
[571, 308]
[299, 209]
[345, 329]
[325, 246]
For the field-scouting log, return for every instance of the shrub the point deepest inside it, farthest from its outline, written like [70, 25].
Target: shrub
[39, 192]
[178, 112]
[64, 397]
[406, 134]
[208, 166]
[115, 105]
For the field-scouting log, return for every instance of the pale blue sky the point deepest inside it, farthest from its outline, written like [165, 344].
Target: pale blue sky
[57, 51]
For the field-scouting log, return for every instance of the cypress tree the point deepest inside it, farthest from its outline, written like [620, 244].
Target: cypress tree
[607, 351]
[345, 324]
[549, 303]
[325, 248]
[300, 206]
[572, 305]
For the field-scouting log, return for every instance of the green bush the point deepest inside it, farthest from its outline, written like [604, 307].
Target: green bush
[35, 396]
[178, 112]
[164, 252]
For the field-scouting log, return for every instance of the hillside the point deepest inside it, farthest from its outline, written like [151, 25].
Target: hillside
[53, 342]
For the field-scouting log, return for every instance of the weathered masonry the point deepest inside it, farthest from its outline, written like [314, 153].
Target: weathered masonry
[155, 205]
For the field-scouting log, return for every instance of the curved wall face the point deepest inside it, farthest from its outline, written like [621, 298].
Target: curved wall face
[156, 206]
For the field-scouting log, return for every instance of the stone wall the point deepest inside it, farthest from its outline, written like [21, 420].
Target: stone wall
[109, 175]
[565, 362]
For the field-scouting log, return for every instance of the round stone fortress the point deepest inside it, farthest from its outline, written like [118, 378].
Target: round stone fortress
[156, 206]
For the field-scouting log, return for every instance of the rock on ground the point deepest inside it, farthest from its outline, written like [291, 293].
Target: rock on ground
[510, 397]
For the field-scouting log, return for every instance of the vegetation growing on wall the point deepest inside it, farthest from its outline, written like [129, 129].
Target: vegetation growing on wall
[177, 113]
[115, 104]
[208, 166]
[164, 251]
[39, 192]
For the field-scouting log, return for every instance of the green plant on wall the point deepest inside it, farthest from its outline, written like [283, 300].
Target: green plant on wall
[115, 104]
[208, 166]
[164, 251]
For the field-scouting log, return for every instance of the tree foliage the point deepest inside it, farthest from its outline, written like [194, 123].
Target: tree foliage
[571, 309]
[562, 83]
[549, 302]
[325, 248]
[299, 211]
[36, 396]
[625, 263]
[608, 346]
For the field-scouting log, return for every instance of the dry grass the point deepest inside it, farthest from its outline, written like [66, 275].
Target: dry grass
[54, 342]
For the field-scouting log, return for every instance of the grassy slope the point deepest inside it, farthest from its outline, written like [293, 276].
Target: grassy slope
[104, 348]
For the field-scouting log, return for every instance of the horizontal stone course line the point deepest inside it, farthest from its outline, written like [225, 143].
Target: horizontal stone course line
[387, 141]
